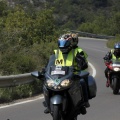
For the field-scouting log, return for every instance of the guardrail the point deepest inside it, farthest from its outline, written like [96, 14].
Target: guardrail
[14, 80]
[86, 34]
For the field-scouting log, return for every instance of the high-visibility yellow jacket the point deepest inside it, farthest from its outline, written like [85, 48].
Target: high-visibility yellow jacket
[69, 59]
[113, 56]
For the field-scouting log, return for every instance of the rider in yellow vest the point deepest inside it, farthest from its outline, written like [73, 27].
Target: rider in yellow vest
[112, 54]
[69, 54]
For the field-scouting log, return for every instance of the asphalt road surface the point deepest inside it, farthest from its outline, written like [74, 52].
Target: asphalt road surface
[105, 106]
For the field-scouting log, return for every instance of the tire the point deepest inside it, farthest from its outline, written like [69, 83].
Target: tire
[75, 118]
[56, 113]
[115, 86]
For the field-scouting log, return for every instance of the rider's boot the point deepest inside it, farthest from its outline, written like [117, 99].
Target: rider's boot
[83, 110]
[46, 111]
[87, 104]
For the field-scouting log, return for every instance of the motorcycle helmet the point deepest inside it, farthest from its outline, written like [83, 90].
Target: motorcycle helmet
[64, 43]
[75, 39]
[117, 49]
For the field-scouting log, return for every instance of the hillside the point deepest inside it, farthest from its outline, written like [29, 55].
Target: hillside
[94, 16]
[27, 28]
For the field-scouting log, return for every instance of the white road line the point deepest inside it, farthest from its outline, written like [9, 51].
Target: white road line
[14, 104]
[93, 69]
[27, 101]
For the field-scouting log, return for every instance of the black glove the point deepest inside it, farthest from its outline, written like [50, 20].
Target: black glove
[81, 61]
[106, 58]
[43, 71]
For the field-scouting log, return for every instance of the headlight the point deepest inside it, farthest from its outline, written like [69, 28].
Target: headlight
[116, 69]
[56, 83]
[65, 83]
[50, 83]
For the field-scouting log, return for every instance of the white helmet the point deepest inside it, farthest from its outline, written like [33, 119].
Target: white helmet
[75, 39]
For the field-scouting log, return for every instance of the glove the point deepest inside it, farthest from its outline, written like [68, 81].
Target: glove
[81, 61]
[106, 58]
[43, 71]
[79, 58]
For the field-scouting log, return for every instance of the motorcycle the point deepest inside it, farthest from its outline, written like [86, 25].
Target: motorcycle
[113, 74]
[63, 92]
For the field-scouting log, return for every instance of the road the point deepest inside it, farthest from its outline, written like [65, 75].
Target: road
[105, 106]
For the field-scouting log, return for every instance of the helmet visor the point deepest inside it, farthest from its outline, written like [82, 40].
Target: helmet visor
[63, 43]
[117, 52]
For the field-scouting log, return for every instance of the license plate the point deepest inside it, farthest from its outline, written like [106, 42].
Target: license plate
[116, 65]
[58, 72]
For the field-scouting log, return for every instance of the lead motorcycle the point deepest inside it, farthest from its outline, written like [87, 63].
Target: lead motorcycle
[113, 74]
[63, 92]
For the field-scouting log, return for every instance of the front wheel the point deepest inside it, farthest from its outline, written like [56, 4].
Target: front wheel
[56, 113]
[115, 86]
[75, 118]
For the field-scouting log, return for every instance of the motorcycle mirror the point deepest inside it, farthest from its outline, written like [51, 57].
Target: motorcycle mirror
[36, 74]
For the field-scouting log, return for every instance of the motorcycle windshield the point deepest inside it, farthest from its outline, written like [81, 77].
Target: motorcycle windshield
[58, 72]
[116, 63]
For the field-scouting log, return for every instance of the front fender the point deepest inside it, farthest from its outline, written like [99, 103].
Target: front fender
[57, 99]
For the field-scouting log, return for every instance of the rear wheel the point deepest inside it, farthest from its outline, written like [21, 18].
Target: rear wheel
[56, 113]
[115, 86]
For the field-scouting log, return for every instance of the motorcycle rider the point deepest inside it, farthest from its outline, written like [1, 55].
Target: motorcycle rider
[70, 54]
[112, 54]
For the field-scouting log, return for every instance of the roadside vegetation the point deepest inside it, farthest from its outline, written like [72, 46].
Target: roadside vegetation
[110, 43]
[29, 33]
